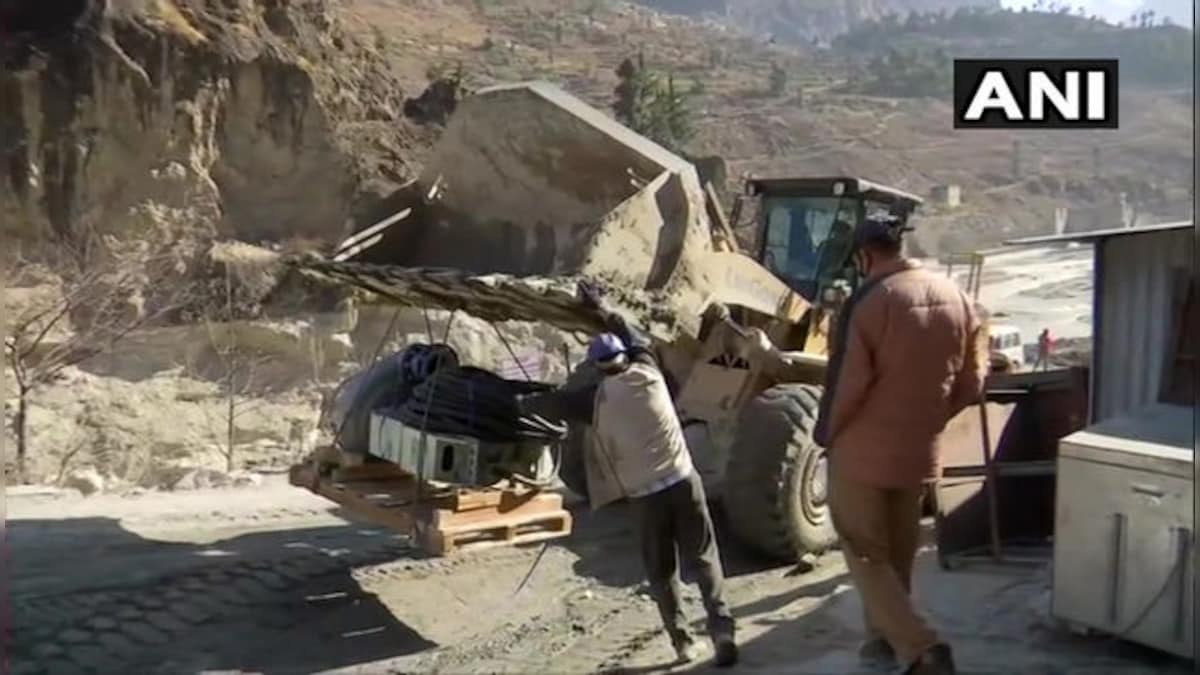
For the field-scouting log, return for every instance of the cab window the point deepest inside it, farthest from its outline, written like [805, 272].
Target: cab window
[807, 239]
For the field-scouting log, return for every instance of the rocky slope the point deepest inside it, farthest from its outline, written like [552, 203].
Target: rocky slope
[254, 119]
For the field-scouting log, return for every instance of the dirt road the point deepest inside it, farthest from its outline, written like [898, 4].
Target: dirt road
[274, 580]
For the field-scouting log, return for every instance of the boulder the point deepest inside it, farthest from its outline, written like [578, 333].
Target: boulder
[87, 481]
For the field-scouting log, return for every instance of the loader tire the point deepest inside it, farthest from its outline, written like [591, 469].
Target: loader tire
[776, 488]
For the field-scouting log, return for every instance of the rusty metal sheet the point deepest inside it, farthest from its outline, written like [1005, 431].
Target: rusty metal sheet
[1055, 406]
[498, 297]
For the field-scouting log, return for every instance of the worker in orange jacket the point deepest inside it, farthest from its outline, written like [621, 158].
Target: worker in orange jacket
[908, 354]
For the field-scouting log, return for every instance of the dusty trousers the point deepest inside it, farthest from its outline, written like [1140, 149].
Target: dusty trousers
[675, 527]
[879, 530]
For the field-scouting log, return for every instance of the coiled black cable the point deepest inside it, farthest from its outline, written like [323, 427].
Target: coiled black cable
[474, 402]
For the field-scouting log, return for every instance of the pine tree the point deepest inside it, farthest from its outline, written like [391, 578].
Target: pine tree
[677, 116]
[655, 109]
[634, 94]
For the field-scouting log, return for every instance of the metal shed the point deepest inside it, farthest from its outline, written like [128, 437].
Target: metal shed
[1136, 276]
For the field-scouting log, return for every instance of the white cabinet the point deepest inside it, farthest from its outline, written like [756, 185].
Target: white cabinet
[1124, 553]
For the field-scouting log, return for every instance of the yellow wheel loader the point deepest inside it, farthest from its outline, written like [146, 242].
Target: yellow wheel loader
[530, 190]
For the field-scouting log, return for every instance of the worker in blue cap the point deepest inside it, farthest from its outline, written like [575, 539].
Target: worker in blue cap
[639, 453]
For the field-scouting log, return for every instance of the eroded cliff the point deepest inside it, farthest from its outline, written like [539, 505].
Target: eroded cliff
[252, 119]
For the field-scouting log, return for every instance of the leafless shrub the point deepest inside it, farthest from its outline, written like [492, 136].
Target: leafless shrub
[108, 289]
[238, 369]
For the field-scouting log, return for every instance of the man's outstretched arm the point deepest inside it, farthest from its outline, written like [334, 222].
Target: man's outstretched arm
[637, 344]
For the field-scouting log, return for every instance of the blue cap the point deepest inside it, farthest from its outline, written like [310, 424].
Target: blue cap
[605, 346]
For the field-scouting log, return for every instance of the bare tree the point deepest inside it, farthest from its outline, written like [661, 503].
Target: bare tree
[238, 370]
[101, 300]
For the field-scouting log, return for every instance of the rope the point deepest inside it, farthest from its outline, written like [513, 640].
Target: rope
[428, 323]
[424, 422]
[337, 435]
[511, 353]
[558, 454]
[562, 430]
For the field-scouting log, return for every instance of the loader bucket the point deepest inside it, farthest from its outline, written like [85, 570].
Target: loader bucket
[536, 182]
[530, 187]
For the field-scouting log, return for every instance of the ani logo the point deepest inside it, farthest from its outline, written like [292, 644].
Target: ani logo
[1044, 94]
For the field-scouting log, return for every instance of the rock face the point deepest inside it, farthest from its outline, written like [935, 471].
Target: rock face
[806, 20]
[251, 119]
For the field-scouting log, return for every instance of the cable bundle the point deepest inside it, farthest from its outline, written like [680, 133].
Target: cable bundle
[473, 402]
[418, 362]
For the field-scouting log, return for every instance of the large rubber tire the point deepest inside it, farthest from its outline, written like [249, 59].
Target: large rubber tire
[775, 483]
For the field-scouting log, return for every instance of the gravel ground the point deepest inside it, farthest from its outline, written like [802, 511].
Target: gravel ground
[275, 580]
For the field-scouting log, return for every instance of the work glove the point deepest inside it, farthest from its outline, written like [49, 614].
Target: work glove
[719, 312]
[589, 294]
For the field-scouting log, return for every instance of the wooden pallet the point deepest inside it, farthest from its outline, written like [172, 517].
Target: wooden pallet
[539, 518]
[443, 519]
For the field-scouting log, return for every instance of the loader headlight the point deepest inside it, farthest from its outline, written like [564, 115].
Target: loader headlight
[838, 188]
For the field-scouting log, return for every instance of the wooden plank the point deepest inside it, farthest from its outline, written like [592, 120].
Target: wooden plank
[465, 500]
[1003, 469]
[540, 504]
[505, 532]
[370, 471]
[442, 518]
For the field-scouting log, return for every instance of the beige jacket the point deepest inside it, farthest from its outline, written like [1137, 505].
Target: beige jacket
[637, 444]
[916, 355]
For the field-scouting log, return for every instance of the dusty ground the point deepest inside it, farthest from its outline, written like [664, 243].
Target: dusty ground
[273, 580]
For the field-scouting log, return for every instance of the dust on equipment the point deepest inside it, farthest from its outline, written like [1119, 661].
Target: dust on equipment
[428, 446]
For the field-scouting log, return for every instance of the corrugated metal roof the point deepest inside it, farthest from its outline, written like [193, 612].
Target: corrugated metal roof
[1135, 284]
[1095, 235]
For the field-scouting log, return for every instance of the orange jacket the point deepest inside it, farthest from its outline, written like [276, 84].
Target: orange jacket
[915, 356]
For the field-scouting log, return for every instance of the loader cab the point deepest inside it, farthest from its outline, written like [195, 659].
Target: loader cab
[806, 226]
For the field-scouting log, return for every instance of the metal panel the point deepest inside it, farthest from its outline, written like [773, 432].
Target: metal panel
[1095, 235]
[1157, 437]
[1024, 437]
[1135, 283]
[1123, 538]
[439, 457]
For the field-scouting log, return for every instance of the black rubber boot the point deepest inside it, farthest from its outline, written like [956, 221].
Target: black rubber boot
[687, 649]
[937, 660]
[877, 651]
[726, 650]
